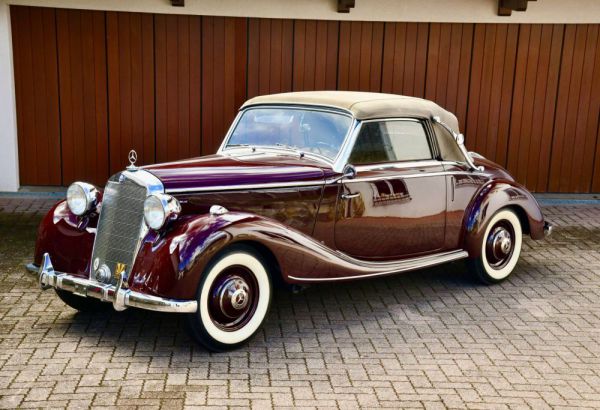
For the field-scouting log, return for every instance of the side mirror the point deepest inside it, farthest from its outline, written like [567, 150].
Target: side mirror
[349, 172]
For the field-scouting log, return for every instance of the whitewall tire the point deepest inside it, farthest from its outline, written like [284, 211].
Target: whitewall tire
[500, 248]
[234, 296]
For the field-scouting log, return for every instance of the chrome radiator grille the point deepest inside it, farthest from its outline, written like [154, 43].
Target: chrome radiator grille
[120, 226]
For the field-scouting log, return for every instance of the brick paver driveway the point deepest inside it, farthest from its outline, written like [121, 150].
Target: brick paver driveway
[431, 338]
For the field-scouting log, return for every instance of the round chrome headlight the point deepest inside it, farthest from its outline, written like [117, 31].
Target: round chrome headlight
[159, 208]
[81, 197]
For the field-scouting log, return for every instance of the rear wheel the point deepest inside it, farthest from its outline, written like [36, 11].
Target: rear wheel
[81, 303]
[234, 296]
[500, 248]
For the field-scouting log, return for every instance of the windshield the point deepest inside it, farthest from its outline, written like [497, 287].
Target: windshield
[305, 130]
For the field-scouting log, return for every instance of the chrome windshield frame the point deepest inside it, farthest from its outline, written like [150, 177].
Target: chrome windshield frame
[334, 162]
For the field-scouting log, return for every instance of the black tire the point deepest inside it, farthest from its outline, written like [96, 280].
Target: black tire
[500, 248]
[234, 297]
[81, 303]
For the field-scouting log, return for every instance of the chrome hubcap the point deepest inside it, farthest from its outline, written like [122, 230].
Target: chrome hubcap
[500, 245]
[234, 297]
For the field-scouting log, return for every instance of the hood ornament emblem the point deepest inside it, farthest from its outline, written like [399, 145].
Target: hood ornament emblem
[132, 156]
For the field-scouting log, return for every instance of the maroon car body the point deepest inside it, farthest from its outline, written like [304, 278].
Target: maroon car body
[312, 219]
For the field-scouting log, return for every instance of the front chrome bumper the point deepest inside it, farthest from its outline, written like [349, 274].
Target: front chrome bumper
[118, 295]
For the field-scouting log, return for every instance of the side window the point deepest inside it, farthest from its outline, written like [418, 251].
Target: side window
[390, 141]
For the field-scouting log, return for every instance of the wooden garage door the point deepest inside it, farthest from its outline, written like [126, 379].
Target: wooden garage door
[92, 85]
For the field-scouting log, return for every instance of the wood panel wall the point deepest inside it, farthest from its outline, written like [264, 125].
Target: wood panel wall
[36, 86]
[81, 41]
[92, 85]
[131, 89]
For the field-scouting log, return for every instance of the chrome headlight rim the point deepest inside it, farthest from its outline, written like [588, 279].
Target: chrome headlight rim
[87, 192]
[159, 209]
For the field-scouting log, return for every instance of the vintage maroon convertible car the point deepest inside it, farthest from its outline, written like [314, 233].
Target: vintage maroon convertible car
[307, 187]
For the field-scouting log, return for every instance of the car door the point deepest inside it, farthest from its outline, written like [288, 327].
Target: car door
[395, 207]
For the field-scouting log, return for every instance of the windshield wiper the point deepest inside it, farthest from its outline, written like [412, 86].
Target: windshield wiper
[285, 146]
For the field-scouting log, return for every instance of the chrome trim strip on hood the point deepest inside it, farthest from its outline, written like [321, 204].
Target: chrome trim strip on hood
[275, 185]
[246, 186]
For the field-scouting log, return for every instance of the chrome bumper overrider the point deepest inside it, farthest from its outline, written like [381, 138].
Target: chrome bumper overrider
[119, 296]
[547, 229]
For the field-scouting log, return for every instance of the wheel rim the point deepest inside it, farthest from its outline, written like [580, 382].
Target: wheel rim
[233, 298]
[500, 244]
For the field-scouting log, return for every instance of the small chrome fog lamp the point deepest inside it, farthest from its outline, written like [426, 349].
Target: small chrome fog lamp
[82, 197]
[160, 208]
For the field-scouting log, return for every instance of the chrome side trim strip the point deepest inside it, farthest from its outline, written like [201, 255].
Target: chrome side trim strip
[399, 165]
[118, 295]
[410, 176]
[389, 268]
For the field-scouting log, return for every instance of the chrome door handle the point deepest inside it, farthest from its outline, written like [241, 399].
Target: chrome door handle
[350, 196]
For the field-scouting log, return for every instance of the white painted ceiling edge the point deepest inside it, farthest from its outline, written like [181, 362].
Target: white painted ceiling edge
[462, 11]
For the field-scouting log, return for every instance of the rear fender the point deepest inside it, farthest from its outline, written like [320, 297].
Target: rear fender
[492, 197]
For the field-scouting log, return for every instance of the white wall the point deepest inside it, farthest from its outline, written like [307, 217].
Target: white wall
[9, 155]
[540, 11]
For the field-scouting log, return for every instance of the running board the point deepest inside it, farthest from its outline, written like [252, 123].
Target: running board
[388, 268]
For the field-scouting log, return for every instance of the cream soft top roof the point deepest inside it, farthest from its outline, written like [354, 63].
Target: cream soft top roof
[362, 105]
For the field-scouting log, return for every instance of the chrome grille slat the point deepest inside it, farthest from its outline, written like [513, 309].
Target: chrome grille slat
[121, 224]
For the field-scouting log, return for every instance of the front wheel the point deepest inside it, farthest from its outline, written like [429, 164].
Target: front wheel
[234, 296]
[500, 248]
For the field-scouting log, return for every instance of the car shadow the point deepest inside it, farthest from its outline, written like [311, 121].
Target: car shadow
[332, 312]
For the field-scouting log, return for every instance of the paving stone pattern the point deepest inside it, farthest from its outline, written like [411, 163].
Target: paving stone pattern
[427, 339]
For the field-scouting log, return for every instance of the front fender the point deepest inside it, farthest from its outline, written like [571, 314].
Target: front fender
[67, 238]
[170, 264]
[492, 197]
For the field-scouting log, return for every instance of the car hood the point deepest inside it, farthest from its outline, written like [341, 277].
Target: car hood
[220, 171]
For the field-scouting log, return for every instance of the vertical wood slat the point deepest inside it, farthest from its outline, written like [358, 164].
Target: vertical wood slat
[177, 75]
[536, 85]
[270, 45]
[576, 120]
[491, 82]
[360, 56]
[130, 49]
[315, 55]
[595, 110]
[448, 66]
[224, 54]
[405, 58]
[36, 88]
[82, 78]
